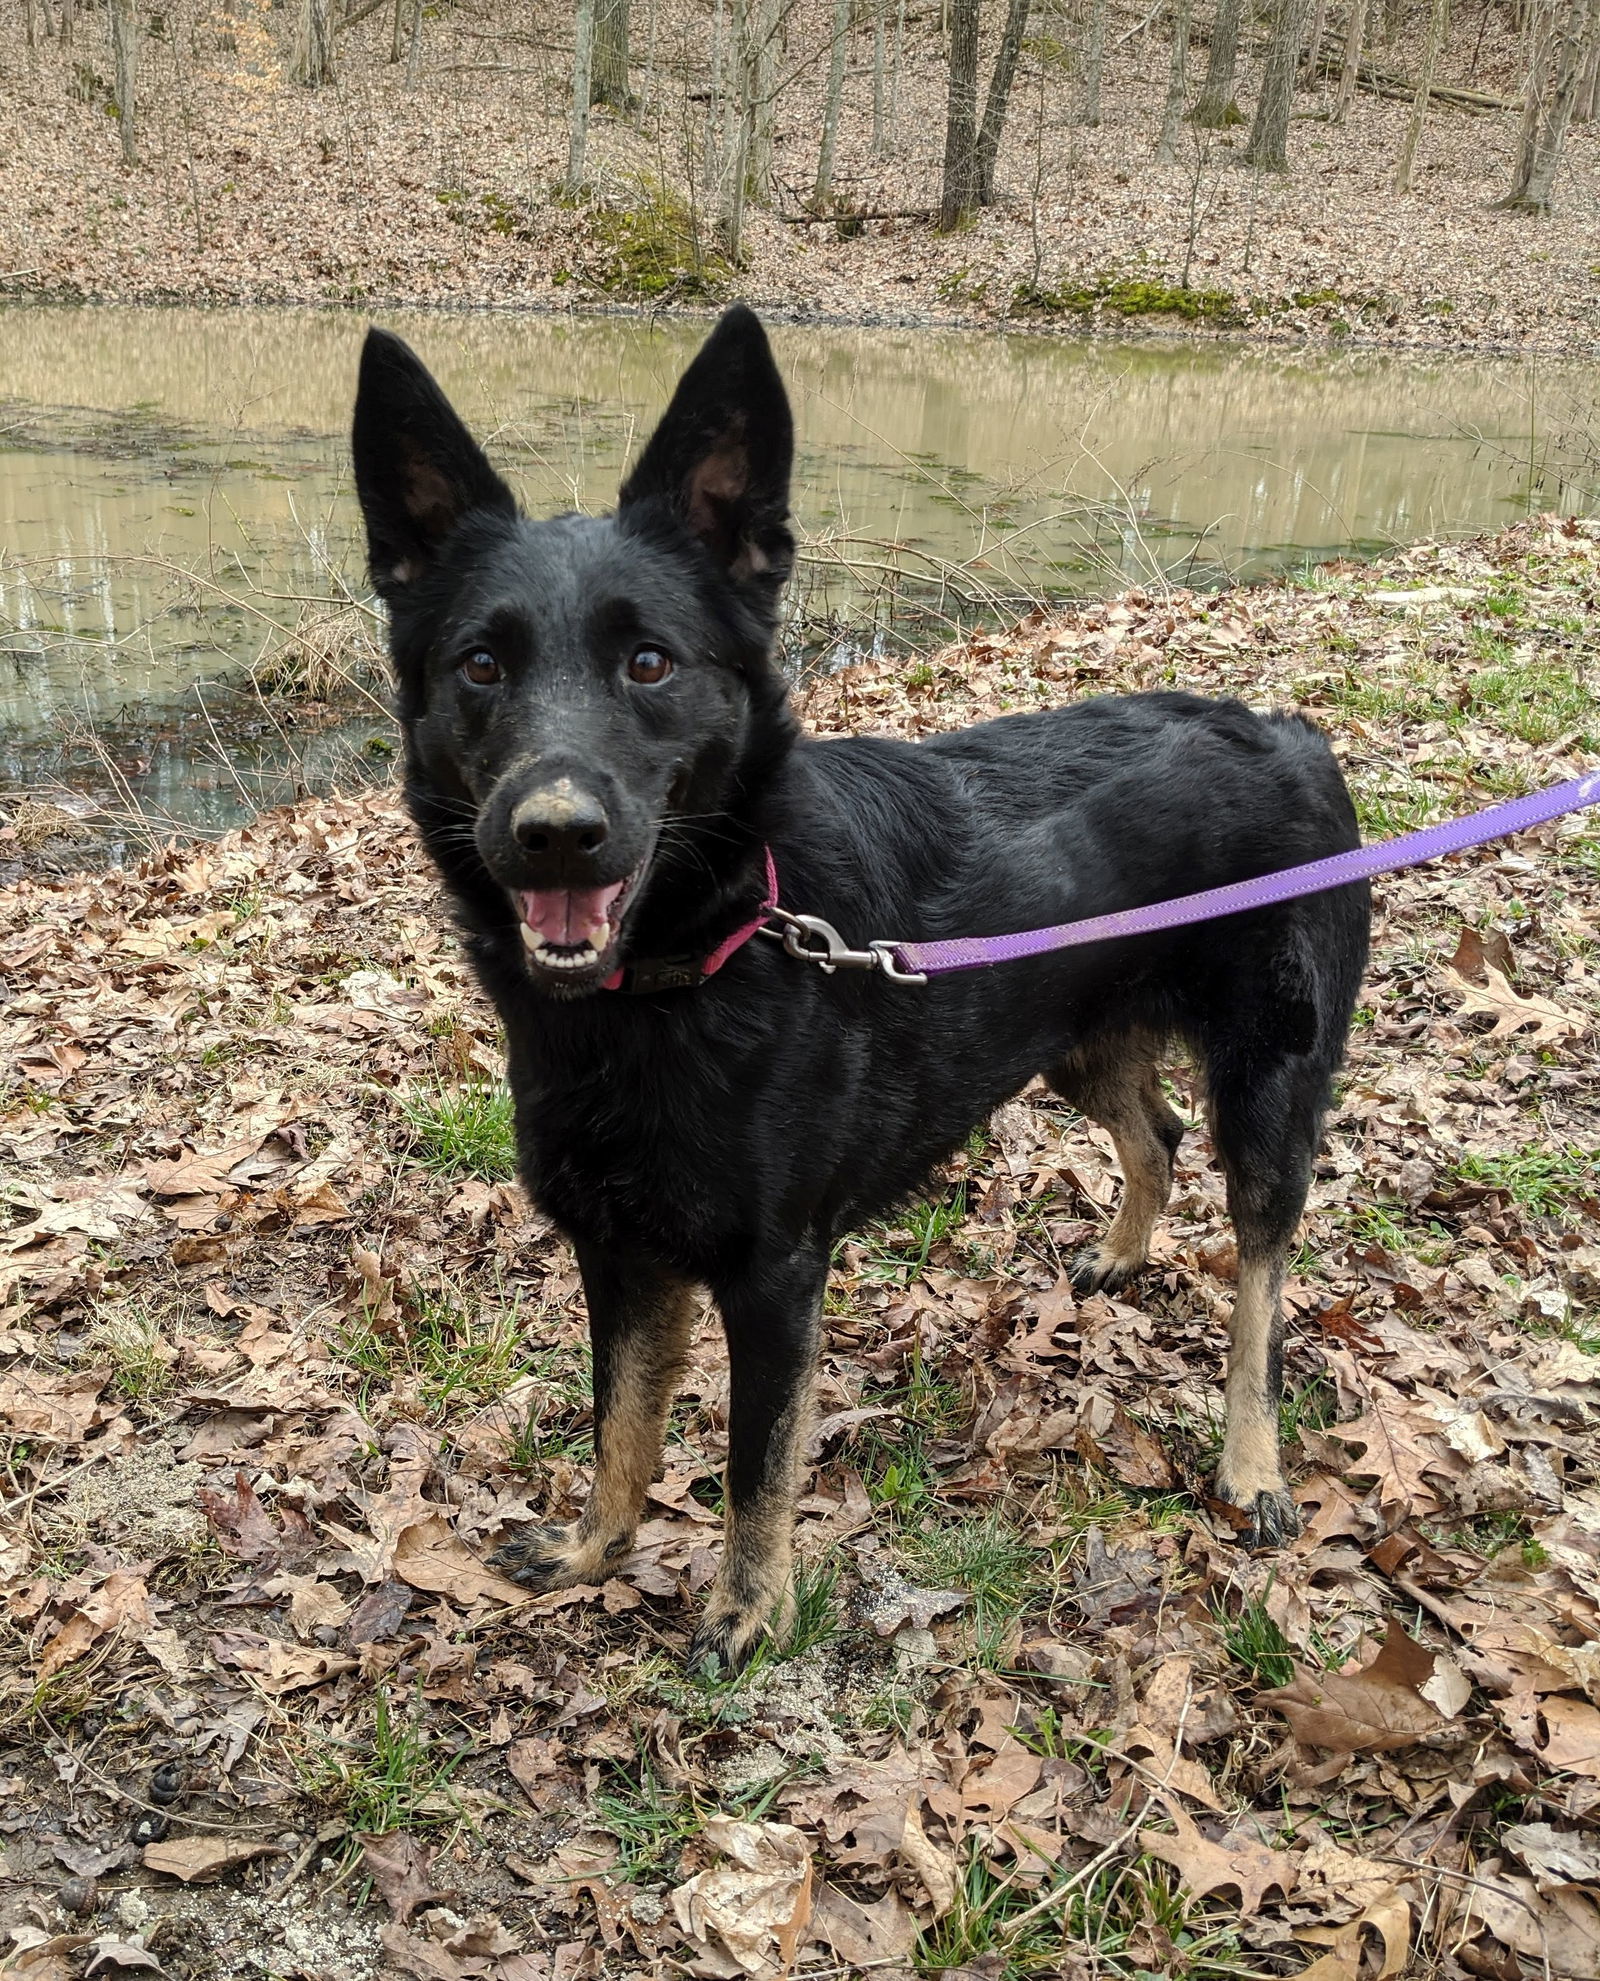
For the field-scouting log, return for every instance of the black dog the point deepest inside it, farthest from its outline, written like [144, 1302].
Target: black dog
[599, 753]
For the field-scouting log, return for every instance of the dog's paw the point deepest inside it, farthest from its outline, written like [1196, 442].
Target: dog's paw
[1098, 1270]
[548, 1558]
[725, 1644]
[1267, 1520]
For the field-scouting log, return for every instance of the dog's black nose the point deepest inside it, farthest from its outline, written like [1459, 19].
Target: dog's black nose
[560, 822]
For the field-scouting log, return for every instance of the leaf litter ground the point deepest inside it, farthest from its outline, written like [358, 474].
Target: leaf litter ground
[283, 1350]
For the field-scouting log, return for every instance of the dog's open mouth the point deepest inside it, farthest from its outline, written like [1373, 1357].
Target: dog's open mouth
[570, 929]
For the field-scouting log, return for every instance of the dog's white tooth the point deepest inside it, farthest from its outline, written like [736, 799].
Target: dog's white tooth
[532, 941]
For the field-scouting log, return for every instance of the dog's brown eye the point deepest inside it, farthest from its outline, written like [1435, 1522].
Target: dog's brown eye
[481, 668]
[648, 666]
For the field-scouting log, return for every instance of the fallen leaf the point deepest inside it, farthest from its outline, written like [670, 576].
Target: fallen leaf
[1555, 1856]
[1239, 1861]
[197, 1860]
[399, 1865]
[756, 1905]
[429, 1555]
[1378, 1708]
[862, 1935]
[1533, 1020]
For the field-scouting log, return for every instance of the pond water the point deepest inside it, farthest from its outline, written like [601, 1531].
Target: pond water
[174, 482]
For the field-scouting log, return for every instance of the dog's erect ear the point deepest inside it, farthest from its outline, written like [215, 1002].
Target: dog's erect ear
[418, 471]
[721, 457]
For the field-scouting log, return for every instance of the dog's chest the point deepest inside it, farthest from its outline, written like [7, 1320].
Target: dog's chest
[640, 1162]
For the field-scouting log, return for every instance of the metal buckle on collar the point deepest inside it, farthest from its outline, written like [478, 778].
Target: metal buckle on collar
[810, 939]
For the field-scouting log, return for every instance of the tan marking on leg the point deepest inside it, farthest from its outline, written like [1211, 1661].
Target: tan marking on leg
[753, 1596]
[647, 1359]
[1124, 1096]
[1250, 1476]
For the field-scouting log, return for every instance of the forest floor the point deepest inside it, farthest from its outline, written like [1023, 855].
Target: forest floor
[284, 1349]
[374, 191]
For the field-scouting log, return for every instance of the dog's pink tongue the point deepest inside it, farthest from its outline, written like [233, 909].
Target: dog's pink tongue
[571, 915]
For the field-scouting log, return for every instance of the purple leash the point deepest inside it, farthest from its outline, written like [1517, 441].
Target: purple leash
[816, 941]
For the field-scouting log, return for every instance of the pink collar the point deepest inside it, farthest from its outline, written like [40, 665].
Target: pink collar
[661, 973]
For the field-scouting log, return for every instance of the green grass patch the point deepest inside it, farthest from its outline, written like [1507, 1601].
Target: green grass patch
[1540, 1179]
[446, 1348]
[464, 1131]
[984, 1557]
[655, 248]
[399, 1779]
[1129, 296]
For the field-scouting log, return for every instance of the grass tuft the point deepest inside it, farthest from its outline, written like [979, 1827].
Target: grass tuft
[464, 1131]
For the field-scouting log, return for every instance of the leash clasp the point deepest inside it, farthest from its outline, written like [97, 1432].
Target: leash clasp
[810, 939]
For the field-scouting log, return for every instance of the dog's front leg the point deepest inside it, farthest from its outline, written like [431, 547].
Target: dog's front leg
[772, 1317]
[639, 1321]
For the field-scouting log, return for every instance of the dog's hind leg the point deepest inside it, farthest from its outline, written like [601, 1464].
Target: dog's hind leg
[773, 1319]
[639, 1322]
[1265, 1122]
[1115, 1082]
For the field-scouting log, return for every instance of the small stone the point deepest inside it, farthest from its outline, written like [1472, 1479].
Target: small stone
[149, 1828]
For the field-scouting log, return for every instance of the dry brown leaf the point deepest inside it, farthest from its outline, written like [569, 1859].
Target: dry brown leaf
[430, 1555]
[1555, 1857]
[400, 1866]
[1390, 1918]
[1237, 1861]
[275, 1666]
[197, 1860]
[1373, 1710]
[862, 1935]
[757, 1905]
[244, 1527]
[1532, 1020]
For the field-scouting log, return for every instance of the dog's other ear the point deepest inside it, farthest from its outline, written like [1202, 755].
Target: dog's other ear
[720, 459]
[419, 473]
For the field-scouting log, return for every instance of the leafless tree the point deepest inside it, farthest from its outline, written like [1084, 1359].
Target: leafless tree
[959, 194]
[1561, 42]
[1268, 149]
[1177, 85]
[1433, 48]
[608, 64]
[1094, 64]
[1350, 69]
[1214, 107]
[823, 187]
[994, 106]
[578, 116]
[311, 63]
[880, 77]
[125, 62]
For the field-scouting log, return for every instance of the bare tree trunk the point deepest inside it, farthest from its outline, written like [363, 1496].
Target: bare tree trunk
[822, 190]
[578, 117]
[1268, 149]
[1177, 86]
[880, 53]
[763, 98]
[1350, 73]
[1094, 63]
[959, 196]
[311, 64]
[1312, 60]
[1555, 72]
[65, 28]
[608, 65]
[32, 29]
[994, 107]
[894, 69]
[125, 61]
[1214, 107]
[397, 32]
[739, 170]
[414, 45]
[1438, 28]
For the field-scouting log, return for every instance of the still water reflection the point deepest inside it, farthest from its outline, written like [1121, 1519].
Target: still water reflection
[172, 481]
